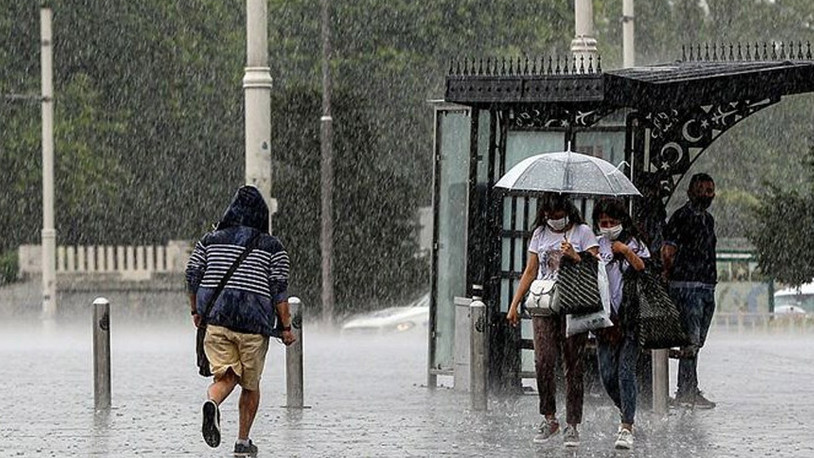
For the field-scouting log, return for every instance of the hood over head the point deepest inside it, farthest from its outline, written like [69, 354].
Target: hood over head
[247, 209]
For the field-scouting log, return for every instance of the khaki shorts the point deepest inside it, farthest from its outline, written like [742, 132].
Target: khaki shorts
[245, 354]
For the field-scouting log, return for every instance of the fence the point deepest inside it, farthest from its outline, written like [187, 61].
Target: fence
[145, 259]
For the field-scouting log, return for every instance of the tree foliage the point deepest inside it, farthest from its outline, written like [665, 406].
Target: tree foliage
[780, 229]
[149, 114]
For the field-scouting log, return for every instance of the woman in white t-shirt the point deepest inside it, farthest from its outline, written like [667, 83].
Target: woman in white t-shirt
[617, 348]
[559, 232]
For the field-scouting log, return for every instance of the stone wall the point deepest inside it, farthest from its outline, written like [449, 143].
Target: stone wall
[161, 296]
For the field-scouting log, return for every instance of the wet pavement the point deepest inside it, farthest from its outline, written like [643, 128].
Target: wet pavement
[367, 397]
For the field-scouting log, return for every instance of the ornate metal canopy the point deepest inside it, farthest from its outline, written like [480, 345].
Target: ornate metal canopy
[719, 73]
[681, 107]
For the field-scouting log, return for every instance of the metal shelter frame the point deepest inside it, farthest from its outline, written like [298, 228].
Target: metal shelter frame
[672, 113]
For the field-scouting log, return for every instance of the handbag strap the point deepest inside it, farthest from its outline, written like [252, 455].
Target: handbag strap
[211, 302]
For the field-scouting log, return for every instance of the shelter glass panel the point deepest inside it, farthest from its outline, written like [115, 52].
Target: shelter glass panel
[523, 144]
[607, 145]
[453, 139]
[484, 136]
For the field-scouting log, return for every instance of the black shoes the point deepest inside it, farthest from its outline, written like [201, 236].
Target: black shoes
[245, 450]
[211, 423]
[694, 401]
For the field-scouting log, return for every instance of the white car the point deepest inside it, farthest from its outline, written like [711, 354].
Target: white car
[795, 300]
[415, 316]
[789, 310]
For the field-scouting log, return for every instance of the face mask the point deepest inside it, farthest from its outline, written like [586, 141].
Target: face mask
[702, 203]
[611, 233]
[558, 224]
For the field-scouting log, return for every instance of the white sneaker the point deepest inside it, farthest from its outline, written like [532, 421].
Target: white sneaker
[624, 440]
[571, 436]
[547, 430]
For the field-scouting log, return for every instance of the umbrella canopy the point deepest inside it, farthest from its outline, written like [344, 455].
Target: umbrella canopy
[568, 172]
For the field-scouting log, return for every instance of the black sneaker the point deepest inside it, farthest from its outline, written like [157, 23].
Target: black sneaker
[703, 403]
[211, 423]
[245, 450]
[694, 401]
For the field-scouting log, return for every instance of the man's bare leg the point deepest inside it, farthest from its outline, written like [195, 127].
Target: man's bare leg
[247, 407]
[222, 388]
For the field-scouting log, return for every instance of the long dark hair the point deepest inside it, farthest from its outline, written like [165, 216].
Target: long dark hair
[616, 209]
[551, 202]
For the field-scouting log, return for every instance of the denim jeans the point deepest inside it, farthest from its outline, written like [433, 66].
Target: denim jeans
[697, 305]
[549, 340]
[618, 355]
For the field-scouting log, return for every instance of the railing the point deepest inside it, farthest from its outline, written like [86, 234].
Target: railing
[80, 259]
[781, 323]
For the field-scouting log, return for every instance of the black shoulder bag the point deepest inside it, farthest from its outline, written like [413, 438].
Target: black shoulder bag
[577, 285]
[656, 317]
[203, 361]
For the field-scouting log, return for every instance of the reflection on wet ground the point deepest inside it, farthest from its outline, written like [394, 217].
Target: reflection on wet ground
[367, 397]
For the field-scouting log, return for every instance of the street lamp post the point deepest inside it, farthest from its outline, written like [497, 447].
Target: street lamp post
[49, 234]
[257, 95]
[628, 53]
[583, 46]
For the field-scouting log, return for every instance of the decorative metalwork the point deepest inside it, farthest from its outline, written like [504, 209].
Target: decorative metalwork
[746, 52]
[555, 116]
[522, 66]
[677, 138]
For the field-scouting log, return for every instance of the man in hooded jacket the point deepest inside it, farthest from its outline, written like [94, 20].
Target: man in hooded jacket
[244, 314]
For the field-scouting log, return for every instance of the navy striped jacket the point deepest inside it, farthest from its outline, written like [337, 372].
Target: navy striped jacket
[246, 303]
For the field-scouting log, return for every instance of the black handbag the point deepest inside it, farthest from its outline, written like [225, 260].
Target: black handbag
[657, 318]
[577, 285]
[203, 361]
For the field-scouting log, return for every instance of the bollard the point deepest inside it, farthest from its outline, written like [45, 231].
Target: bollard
[101, 353]
[477, 355]
[293, 358]
[661, 381]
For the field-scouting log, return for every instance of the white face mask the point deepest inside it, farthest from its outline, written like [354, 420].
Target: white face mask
[558, 224]
[611, 233]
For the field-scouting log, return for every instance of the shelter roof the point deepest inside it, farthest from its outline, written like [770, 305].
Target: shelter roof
[746, 72]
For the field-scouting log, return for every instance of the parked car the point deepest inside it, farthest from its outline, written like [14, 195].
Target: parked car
[795, 300]
[411, 317]
[789, 310]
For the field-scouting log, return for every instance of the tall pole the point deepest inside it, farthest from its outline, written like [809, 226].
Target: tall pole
[628, 44]
[583, 46]
[49, 234]
[257, 95]
[327, 172]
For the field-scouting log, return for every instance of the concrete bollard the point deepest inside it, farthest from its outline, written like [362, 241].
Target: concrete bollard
[661, 381]
[477, 355]
[293, 358]
[101, 353]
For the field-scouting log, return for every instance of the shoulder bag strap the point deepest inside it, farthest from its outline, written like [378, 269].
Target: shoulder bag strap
[211, 302]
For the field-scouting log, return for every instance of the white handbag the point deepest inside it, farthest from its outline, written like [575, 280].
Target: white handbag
[542, 298]
[575, 324]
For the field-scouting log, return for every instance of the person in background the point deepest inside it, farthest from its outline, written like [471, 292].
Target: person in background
[559, 234]
[688, 260]
[617, 349]
[242, 318]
